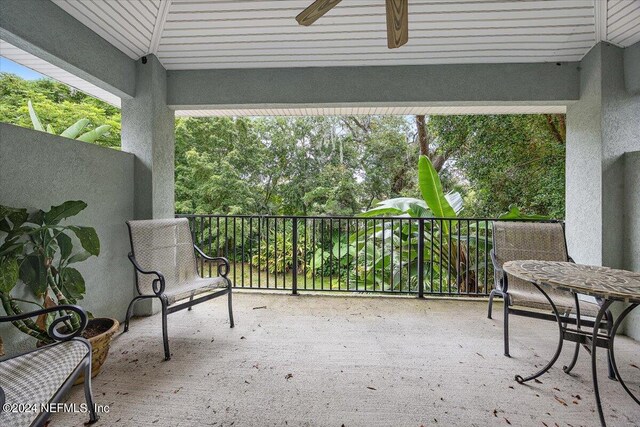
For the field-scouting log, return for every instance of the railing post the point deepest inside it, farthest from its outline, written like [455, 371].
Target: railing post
[294, 229]
[420, 258]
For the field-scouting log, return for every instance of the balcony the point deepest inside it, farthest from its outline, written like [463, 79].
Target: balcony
[347, 356]
[352, 360]
[350, 254]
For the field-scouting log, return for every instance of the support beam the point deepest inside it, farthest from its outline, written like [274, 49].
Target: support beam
[632, 68]
[451, 85]
[48, 32]
[148, 132]
[602, 130]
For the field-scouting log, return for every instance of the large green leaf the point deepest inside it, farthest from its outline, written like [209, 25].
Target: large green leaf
[398, 206]
[65, 245]
[11, 248]
[94, 134]
[73, 285]
[79, 257]
[50, 129]
[11, 218]
[65, 210]
[37, 125]
[88, 239]
[74, 130]
[456, 201]
[9, 274]
[34, 274]
[431, 189]
[36, 217]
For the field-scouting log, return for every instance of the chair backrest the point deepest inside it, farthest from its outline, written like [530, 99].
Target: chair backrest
[541, 241]
[163, 245]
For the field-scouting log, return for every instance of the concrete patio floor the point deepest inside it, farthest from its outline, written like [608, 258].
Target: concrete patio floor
[353, 361]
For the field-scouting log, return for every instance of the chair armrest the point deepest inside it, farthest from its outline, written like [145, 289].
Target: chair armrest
[499, 275]
[223, 261]
[154, 284]
[52, 331]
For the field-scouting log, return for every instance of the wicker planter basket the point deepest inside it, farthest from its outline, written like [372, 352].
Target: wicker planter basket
[100, 343]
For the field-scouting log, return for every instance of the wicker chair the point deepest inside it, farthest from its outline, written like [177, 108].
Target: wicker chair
[44, 376]
[534, 241]
[163, 254]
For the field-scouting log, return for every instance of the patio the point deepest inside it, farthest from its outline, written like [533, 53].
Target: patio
[354, 361]
[328, 360]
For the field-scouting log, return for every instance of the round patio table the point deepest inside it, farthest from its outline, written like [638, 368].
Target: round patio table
[606, 284]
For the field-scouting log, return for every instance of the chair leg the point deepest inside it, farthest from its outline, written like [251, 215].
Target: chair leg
[190, 300]
[165, 335]
[230, 309]
[88, 394]
[490, 310]
[506, 325]
[128, 316]
[612, 374]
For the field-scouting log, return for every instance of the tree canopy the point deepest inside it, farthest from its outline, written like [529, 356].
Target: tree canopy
[331, 165]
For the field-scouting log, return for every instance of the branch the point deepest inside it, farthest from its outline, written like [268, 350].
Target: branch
[359, 124]
[27, 325]
[559, 137]
[438, 161]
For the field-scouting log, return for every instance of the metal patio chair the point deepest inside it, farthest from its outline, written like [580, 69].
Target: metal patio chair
[541, 241]
[164, 257]
[44, 376]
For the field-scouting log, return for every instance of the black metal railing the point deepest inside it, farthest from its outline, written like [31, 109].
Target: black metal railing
[399, 255]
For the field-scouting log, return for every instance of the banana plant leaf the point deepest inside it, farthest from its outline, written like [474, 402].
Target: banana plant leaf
[94, 134]
[37, 125]
[431, 189]
[400, 206]
[74, 130]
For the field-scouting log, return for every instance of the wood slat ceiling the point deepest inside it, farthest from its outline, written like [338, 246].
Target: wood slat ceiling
[623, 22]
[364, 111]
[201, 34]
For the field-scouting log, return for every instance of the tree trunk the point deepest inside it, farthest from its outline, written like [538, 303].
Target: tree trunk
[423, 138]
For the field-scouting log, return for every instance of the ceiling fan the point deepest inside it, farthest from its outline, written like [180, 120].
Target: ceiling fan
[397, 18]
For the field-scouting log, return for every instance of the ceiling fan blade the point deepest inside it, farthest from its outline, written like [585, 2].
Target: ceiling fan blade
[397, 23]
[315, 11]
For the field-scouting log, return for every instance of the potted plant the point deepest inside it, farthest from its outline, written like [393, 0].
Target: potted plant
[37, 251]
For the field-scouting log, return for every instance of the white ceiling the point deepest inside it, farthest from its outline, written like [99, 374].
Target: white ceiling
[385, 110]
[201, 34]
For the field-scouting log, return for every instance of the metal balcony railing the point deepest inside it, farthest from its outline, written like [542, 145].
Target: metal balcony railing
[391, 255]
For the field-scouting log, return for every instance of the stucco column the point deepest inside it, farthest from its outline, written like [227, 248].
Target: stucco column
[148, 131]
[603, 130]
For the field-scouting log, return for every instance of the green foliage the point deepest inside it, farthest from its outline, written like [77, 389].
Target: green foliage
[60, 106]
[72, 131]
[277, 257]
[514, 213]
[325, 165]
[507, 159]
[444, 253]
[37, 251]
[293, 166]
